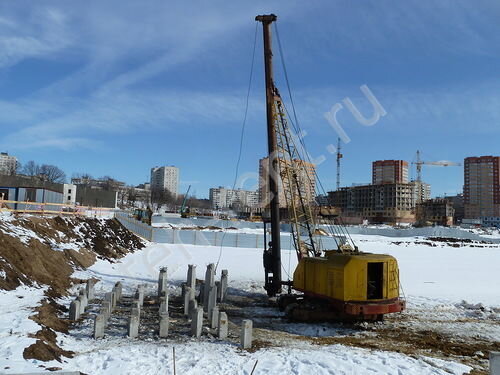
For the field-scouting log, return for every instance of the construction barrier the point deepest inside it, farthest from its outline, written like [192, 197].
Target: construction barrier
[140, 229]
[49, 208]
[210, 237]
[386, 231]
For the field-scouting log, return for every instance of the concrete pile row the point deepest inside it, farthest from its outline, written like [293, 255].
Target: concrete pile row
[211, 293]
[79, 304]
[163, 302]
[135, 312]
[198, 307]
[111, 299]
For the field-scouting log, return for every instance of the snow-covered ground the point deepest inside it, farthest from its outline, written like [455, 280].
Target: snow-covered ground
[443, 273]
[443, 285]
[15, 326]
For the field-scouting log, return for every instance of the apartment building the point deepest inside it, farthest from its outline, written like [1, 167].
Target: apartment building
[437, 211]
[383, 203]
[165, 178]
[228, 198]
[8, 164]
[482, 187]
[306, 178]
[389, 172]
[457, 202]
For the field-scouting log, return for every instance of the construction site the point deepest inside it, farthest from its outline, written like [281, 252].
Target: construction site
[301, 287]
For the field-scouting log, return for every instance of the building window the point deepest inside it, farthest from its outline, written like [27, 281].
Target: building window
[4, 194]
[69, 191]
[30, 195]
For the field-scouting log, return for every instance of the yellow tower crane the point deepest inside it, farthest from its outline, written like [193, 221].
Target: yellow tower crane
[442, 163]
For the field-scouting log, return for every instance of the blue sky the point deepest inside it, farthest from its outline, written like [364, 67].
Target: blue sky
[116, 87]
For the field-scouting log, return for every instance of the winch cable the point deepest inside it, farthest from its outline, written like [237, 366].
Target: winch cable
[242, 135]
[339, 230]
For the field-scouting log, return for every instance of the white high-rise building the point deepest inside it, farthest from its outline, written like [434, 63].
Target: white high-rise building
[226, 198]
[8, 164]
[165, 178]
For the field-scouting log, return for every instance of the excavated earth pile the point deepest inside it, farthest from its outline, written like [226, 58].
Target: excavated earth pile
[45, 251]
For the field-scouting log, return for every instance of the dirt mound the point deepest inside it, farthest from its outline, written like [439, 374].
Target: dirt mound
[45, 347]
[47, 316]
[447, 241]
[37, 251]
[455, 240]
[44, 250]
[31, 263]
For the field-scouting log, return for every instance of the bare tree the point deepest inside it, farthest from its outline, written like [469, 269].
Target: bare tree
[31, 169]
[14, 169]
[51, 173]
[200, 203]
[82, 179]
[131, 196]
[19, 167]
[109, 183]
[162, 196]
[83, 176]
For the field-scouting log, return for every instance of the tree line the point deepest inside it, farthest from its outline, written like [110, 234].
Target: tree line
[42, 172]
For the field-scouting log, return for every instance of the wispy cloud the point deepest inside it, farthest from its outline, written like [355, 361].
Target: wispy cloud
[450, 26]
[80, 122]
[45, 33]
[117, 52]
[468, 110]
[120, 45]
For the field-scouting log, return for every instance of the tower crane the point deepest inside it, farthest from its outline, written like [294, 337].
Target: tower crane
[339, 157]
[442, 163]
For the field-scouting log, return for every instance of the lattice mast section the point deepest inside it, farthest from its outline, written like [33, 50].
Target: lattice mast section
[295, 182]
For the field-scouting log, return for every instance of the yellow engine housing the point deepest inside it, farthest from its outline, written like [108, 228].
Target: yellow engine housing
[351, 278]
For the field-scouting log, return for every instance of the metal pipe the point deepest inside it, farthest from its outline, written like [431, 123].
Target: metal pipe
[273, 284]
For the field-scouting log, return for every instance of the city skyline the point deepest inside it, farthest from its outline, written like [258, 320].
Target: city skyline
[79, 95]
[252, 176]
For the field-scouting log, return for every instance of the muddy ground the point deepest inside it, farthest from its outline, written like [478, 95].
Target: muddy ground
[408, 333]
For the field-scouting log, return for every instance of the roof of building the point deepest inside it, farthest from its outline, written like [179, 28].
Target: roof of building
[20, 181]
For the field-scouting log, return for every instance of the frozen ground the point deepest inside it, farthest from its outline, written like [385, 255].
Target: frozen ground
[452, 294]
[15, 325]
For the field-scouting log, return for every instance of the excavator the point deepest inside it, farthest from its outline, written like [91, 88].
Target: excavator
[342, 283]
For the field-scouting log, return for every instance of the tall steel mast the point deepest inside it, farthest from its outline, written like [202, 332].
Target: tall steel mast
[272, 265]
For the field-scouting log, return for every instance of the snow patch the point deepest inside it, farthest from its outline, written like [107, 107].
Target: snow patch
[15, 309]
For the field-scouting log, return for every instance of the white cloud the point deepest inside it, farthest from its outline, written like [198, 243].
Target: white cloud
[81, 122]
[45, 35]
[451, 26]
[457, 108]
[120, 44]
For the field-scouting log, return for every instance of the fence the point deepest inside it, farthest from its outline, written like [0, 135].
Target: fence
[226, 237]
[206, 237]
[49, 208]
[140, 229]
